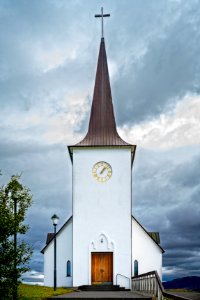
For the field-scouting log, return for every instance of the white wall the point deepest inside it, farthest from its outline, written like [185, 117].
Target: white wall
[101, 208]
[145, 251]
[64, 253]
[48, 265]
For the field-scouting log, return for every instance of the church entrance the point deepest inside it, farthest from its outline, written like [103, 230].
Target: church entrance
[102, 267]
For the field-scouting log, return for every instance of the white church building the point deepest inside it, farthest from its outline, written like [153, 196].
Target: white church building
[102, 242]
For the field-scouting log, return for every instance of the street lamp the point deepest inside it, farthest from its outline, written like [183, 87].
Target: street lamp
[55, 219]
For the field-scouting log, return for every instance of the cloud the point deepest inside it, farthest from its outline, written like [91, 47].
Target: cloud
[47, 172]
[176, 127]
[33, 277]
[161, 60]
[166, 200]
[49, 122]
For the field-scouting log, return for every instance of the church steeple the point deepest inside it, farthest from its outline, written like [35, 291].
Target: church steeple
[102, 126]
[102, 130]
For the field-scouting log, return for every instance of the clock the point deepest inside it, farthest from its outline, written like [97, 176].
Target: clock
[102, 171]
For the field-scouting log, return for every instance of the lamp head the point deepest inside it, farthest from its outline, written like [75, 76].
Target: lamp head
[55, 219]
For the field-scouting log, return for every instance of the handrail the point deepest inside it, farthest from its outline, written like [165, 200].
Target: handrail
[129, 280]
[158, 291]
[152, 273]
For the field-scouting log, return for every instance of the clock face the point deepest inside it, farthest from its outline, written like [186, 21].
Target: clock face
[102, 171]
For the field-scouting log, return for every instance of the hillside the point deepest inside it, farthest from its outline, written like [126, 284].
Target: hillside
[190, 283]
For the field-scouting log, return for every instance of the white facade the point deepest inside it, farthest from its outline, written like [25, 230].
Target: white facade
[101, 210]
[64, 253]
[102, 222]
[145, 251]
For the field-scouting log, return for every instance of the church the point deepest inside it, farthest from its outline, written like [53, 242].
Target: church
[102, 242]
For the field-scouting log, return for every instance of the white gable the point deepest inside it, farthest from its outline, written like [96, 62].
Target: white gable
[64, 253]
[145, 250]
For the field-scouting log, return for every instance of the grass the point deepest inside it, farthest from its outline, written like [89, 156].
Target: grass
[26, 291]
[178, 290]
[174, 291]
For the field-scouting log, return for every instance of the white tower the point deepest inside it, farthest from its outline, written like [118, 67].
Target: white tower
[102, 217]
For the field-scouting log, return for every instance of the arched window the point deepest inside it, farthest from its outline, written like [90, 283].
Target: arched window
[68, 268]
[135, 268]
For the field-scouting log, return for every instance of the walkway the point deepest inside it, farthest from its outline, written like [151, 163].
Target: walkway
[102, 295]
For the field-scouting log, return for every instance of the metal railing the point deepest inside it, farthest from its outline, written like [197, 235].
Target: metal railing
[129, 281]
[150, 283]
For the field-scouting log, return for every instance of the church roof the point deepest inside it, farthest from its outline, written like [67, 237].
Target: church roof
[50, 237]
[155, 236]
[102, 126]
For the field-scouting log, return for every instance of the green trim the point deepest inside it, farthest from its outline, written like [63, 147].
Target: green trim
[155, 236]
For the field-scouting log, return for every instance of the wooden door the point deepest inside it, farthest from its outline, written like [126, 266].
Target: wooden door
[102, 267]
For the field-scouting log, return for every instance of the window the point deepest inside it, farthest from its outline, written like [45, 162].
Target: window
[135, 268]
[68, 268]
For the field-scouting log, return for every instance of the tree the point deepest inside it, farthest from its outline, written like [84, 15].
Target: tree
[15, 254]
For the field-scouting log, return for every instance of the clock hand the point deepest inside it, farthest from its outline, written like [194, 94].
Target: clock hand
[102, 170]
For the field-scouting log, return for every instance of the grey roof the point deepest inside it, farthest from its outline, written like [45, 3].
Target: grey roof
[49, 237]
[155, 236]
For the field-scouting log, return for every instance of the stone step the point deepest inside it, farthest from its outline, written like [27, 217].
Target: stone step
[102, 287]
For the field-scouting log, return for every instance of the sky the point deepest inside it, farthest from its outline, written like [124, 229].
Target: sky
[48, 57]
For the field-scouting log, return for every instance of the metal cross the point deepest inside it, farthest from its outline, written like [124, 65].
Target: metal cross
[102, 16]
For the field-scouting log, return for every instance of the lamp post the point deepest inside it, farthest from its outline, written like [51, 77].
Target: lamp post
[55, 219]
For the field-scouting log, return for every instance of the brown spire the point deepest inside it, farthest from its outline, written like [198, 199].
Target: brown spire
[102, 127]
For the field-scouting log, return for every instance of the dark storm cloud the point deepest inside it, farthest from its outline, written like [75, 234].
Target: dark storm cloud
[167, 31]
[170, 66]
[11, 148]
[31, 37]
[187, 174]
[46, 171]
[166, 202]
